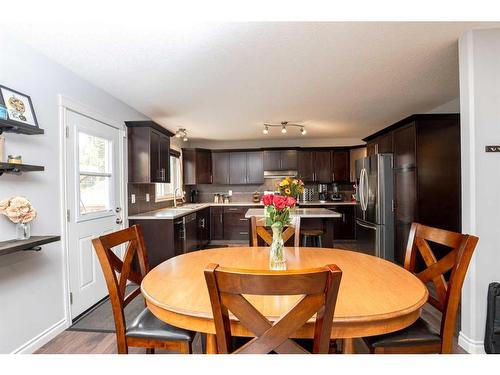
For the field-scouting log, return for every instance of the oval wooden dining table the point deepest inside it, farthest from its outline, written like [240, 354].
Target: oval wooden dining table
[375, 296]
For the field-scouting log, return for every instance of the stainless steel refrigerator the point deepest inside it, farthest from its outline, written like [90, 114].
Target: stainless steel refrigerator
[374, 211]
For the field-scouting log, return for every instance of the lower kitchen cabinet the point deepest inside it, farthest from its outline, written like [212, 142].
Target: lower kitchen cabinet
[203, 219]
[344, 227]
[159, 240]
[216, 223]
[235, 224]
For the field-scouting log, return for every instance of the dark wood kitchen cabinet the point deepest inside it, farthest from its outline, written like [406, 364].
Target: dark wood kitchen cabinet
[380, 145]
[197, 166]
[216, 223]
[344, 227]
[255, 167]
[238, 168]
[280, 160]
[220, 168]
[427, 175]
[148, 152]
[340, 165]
[315, 166]
[235, 223]
[204, 226]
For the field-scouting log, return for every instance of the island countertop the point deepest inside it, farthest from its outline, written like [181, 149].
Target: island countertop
[300, 212]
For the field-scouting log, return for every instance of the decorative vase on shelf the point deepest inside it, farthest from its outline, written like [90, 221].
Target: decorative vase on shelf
[23, 231]
[277, 259]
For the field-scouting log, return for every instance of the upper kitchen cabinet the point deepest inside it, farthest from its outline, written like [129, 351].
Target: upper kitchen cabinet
[220, 168]
[238, 167]
[197, 166]
[280, 160]
[315, 166]
[340, 165]
[148, 152]
[380, 145]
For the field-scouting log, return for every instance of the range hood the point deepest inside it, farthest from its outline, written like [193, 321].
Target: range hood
[280, 174]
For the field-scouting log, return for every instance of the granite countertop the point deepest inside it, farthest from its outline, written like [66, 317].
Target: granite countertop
[171, 213]
[300, 212]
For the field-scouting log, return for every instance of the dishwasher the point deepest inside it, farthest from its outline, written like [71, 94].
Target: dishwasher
[185, 234]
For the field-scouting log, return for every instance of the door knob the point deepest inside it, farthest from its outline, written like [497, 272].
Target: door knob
[119, 220]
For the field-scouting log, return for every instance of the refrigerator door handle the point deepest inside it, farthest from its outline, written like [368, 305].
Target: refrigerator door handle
[361, 199]
[365, 188]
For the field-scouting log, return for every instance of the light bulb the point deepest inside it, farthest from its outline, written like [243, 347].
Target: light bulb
[178, 134]
[283, 129]
[303, 131]
[185, 139]
[266, 130]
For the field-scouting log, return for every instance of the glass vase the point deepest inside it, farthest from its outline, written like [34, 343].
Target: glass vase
[277, 259]
[23, 231]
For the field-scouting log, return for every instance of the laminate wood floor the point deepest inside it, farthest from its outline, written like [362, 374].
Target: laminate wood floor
[77, 342]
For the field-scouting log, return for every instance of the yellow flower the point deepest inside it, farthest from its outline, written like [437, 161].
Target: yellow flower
[287, 191]
[284, 183]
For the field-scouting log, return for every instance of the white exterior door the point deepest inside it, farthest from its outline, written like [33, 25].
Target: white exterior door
[93, 200]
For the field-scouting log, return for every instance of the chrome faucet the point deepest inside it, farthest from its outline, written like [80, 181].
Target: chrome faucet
[175, 195]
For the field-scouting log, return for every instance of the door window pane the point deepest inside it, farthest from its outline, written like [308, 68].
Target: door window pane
[94, 153]
[94, 194]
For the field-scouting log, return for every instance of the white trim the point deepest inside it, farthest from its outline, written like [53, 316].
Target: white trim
[469, 345]
[66, 103]
[87, 111]
[38, 341]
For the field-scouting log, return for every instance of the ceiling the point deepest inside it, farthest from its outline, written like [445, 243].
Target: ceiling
[222, 81]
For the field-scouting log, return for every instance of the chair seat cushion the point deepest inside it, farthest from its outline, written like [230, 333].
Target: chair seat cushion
[148, 326]
[418, 333]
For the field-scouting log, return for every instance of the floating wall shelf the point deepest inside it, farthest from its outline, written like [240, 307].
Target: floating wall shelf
[7, 127]
[18, 168]
[33, 243]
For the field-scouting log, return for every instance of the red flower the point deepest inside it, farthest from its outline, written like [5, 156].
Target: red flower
[279, 202]
[291, 202]
[267, 199]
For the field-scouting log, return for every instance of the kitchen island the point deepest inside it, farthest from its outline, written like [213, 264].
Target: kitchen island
[310, 219]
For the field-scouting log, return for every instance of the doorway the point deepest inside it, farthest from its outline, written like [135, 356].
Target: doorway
[94, 201]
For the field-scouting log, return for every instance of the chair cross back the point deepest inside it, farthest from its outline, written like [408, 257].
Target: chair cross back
[259, 230]
[318, 289]
[457, 260]
[111, 265]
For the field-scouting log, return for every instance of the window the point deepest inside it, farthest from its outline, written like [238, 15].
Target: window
[94, 155]
[166, 191]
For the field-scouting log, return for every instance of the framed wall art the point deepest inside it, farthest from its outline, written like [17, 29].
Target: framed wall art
[18, 107]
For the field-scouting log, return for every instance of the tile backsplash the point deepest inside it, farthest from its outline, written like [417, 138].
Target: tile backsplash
[140, 205]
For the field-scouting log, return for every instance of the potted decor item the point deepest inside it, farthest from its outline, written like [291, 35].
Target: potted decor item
[291, 187]
[20, 211]
[278, 216]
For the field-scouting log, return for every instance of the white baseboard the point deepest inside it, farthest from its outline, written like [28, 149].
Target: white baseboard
[469, 345]
[38, 341]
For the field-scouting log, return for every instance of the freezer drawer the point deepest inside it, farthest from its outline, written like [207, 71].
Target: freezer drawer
[374, 239]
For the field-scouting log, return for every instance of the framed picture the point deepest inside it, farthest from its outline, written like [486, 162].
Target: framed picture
[19, 107]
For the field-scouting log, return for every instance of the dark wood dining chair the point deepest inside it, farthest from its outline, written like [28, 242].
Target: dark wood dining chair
[318, 287]
[445, 296]
[259, 230]
[146, 330]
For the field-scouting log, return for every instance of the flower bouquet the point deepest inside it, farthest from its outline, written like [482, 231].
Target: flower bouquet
[291, 187]
[20, 211]
[277, 217]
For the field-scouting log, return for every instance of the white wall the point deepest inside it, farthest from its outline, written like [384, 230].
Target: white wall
[479, 56]
[31, 284]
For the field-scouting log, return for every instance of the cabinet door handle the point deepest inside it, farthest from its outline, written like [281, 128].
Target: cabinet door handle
[243, 219]
[221, 219]
[333, 176]
[244, 233]
[343, 218]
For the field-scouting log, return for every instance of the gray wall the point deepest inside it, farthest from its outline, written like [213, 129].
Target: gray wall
[31, 284]
[479, 56]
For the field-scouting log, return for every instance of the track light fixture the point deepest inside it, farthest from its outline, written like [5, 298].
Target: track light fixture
[182, 133]
[284, 125]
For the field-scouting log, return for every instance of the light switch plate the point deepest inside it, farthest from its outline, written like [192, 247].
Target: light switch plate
[230, 193]
[132, 198]
[147, 197]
